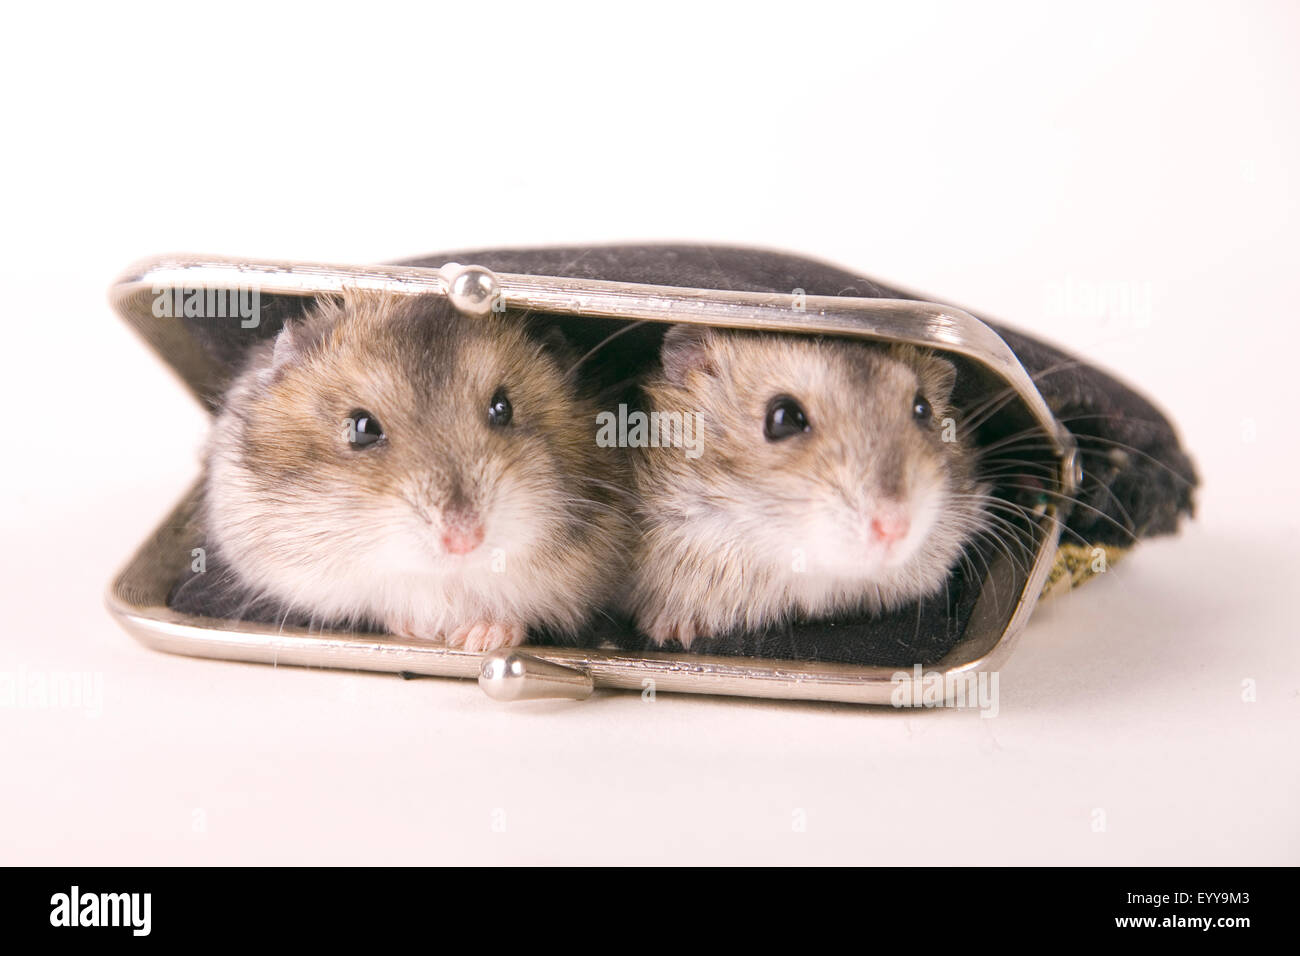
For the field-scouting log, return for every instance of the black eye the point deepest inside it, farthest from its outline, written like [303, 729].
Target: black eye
[921, 409]
[785, 417]
[363, 429]
[499, 410]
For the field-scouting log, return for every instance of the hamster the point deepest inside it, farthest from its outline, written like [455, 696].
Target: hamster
[822, 483]
[386, 461]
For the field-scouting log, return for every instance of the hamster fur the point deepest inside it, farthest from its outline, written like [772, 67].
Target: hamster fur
[386, 461]
[823, 483]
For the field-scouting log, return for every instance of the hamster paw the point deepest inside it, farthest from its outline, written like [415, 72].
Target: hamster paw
[480, 636]
[409, 629]
[665, 627]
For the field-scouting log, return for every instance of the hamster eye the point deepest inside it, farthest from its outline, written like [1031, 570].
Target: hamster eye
[785, 417]
[363, 429]
[921, 410]
[500, 412]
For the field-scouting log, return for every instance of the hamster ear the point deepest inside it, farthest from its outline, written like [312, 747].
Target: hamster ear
[688, 348]
[938, 375]
[289, 346]
[298, 335]
[939, 378]
[555, 343]
[549, 339]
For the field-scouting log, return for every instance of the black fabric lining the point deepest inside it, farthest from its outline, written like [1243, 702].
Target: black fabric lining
[917, 634]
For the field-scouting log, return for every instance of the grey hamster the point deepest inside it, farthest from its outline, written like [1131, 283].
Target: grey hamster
[824, 480]
[386, 461]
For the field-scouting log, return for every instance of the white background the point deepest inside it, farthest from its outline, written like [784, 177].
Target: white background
[988, 156]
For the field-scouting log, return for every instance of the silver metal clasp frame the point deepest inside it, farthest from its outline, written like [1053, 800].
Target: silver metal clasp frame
[515, 675]
[138, 596]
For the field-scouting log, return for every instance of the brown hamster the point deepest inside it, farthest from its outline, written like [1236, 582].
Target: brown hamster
[824, 479]
[386, 461]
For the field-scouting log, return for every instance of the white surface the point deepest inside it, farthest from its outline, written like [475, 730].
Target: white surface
[987, 158]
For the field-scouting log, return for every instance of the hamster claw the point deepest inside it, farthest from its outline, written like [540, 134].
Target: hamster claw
[476, 636]
[480, 636]
[665, 628]
[406, 628]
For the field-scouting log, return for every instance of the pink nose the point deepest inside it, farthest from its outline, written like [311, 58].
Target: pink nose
[462, 538]
[890, 528]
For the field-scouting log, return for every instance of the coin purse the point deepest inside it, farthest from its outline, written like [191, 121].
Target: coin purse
[1103, 470]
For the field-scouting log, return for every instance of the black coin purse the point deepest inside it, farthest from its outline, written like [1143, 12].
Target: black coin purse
[1107, 468]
